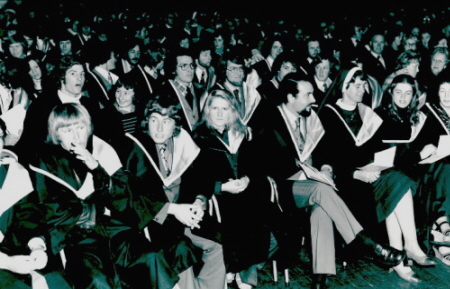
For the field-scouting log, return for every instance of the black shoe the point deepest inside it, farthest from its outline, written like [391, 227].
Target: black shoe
[319, 281]
[387, 256]
[383, 255]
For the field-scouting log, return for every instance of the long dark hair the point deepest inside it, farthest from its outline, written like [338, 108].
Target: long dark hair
[412, 109]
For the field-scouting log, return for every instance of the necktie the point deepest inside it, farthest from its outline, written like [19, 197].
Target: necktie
[165, 163]
[325, 87]
[189, 98]
[299, 135]
[381, 60]
[202, 79]
[110, 80]
[240, 102]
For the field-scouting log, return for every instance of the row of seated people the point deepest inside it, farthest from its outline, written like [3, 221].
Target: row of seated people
[131, 219]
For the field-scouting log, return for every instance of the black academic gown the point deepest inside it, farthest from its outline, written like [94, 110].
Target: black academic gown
[145, 210]
[74, 200]
[20, 221]
[239, 217]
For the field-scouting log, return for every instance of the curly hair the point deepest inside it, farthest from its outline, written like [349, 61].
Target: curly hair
[413, 107]
[166, 105]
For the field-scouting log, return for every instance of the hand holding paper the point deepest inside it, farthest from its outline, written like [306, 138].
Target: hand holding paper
[382, 160]
[442, 151]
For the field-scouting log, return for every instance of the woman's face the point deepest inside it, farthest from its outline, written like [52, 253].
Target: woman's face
[413, 68]
[124, 97]
[402, 94]
[16, 50]
[219, 112]
[276, 49]
[444, 95]
[75, 134]
[35, 71]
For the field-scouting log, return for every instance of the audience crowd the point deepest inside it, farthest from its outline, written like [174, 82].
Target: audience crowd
[185, 148]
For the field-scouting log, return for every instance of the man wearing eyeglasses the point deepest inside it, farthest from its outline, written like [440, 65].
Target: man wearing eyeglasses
[247, 97]
[179, 66]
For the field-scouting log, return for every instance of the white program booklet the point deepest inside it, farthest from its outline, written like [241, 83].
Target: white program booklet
[382, 160]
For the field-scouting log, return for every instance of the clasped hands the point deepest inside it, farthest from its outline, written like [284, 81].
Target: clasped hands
[25, 264]
[188, 214]
[236, 186]
[365, 176]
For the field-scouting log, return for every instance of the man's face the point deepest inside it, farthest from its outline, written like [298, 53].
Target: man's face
[16, 50]
[377, 44]
[185, 69]
[302, 102]
[410, 44]
[322, 70]
[276, 49]
[218, 42]
[160, 127]
[86, 29]
[355, 91]
[313, 48]
[426, 38]
[73, 135]
[74, 80]
[235, 73]
[205, 58]
[111, 64]
[438, 63]
[66, 47]
[134, 54]
[285, 69]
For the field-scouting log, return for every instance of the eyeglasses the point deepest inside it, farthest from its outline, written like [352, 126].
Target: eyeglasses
[185, 66]
[236, 69]
[438, 61]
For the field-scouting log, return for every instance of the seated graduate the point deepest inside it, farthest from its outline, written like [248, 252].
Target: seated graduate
[123, 114]
[162, 203]
[287, 144]
[434, 196]
[285, 63]
[22, 236]
[74, 175]
[221, 172]
[359, 131]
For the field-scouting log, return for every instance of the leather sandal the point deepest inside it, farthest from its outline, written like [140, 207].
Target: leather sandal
[444, 257]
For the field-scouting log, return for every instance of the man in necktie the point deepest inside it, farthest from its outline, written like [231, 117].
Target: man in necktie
[285, 156]
[321, 79]
[100, 79]
[373, 61]
[172, 211]
[180, 65]
[205, 76]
